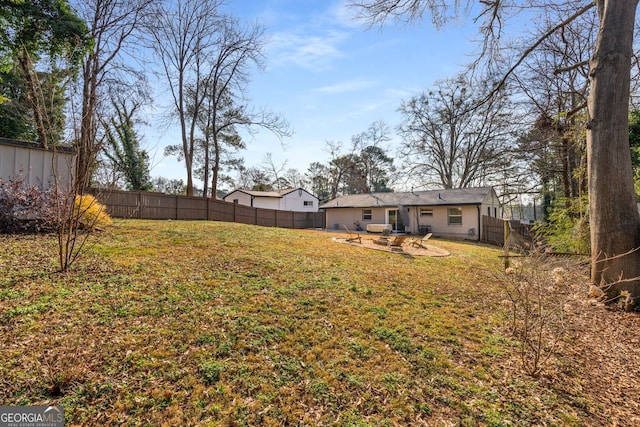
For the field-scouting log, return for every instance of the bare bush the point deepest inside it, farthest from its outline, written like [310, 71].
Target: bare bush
[26, 208]
[537, 291]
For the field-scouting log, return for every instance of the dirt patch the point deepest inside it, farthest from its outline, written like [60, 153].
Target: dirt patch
[405, 249]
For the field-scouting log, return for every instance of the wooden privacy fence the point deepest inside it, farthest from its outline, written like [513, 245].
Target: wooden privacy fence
[147, 205]
[493, 231]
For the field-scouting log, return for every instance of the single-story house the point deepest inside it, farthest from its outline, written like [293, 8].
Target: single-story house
[292, 199]
[453, 213]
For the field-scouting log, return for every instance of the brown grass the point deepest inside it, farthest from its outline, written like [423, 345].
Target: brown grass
[208, 323]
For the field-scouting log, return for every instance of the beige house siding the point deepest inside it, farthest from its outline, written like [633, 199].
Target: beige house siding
[420, 212]
[438, 223]
[491, 206]
[338, 217]
[37, 166]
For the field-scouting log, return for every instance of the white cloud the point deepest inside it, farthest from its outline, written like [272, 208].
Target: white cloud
[315, 52]
[344, 15]
[347, 86]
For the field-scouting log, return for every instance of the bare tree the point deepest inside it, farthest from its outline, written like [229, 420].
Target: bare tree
[364, 168]
[556, 82]
[614, 218]
[224, 107]
[183, 34]
[451, 139]
[317, 176]
[253, 178]
[112, 27]
[275, 172]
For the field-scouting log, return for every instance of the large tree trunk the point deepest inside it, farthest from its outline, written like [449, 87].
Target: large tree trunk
[614, 219]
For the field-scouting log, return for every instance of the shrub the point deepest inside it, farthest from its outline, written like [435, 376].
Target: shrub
[91, 214]
[537, 294]
[567, 229]
[26, 208]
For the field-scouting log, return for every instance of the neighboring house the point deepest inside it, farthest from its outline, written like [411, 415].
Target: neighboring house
[34, 164]
[292, 199]
[455, 213]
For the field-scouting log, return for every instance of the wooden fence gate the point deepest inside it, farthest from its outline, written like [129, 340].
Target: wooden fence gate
[493, 231]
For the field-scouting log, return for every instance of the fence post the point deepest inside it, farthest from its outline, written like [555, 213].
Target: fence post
[506, 243]
[139, 204]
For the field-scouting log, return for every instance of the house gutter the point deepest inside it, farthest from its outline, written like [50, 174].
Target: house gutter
[479, 221]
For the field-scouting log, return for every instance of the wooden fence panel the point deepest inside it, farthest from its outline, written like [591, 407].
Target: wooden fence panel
[492, 230]
[158, 206]
[120, 204]
[192, 208]
[266, 217]
[245, 214]
[221, 211]
[284, 219]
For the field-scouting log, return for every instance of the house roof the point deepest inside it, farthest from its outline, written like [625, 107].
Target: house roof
[456, 196]
[276, 194]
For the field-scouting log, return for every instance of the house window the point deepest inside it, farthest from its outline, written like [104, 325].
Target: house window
[366, 214]
[488, 210]
[455, 216]
[308, 202]
[426, 211]
[236, 201]
[495, 212]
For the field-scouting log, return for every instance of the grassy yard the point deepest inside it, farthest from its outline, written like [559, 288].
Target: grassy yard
[209, 323]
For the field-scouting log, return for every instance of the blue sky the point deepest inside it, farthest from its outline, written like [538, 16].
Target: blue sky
[331, 78]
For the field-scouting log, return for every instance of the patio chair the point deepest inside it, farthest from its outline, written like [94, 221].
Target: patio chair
[397, 241]
[352, 237]
[384, 238]
[420, 243]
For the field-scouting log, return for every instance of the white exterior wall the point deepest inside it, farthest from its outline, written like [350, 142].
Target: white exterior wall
[266, 203]
[491, 206]
[289, 202]
[295, 202]
[243, 198]
[36, 166]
